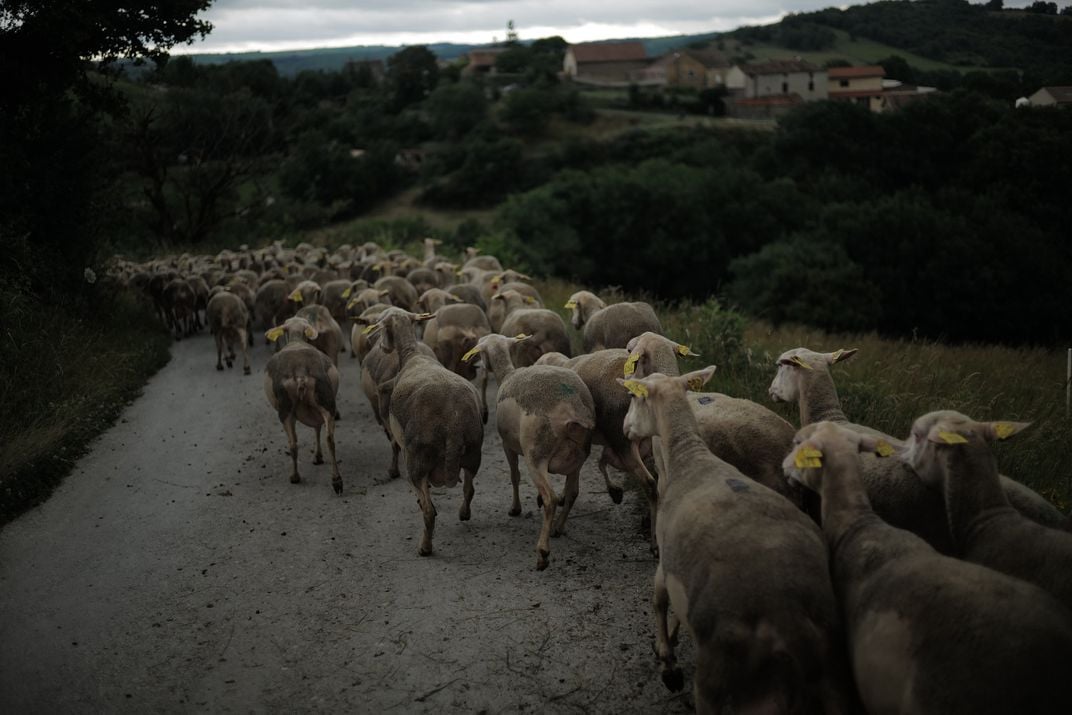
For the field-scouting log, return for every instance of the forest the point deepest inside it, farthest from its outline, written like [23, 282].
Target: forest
[944, 220]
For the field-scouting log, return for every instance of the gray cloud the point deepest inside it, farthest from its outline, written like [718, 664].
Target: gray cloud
[287, 24]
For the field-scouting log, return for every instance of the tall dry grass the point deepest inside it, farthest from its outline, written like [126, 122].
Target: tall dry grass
[889, 382]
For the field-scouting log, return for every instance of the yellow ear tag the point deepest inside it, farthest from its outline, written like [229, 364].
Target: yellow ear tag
[808, 458]
[683, 350]
[521, 336]
[470, 355]
[630, 364]
[570, 304]
[530, 300]
[884, 449]
[346, 293]
[696, 384]
[295, 296]
[636, 388]
[952, 438]
[1004, 430]
[310, 333]
[368, 329]
[796, 360]
[496, 280]
[274, 334]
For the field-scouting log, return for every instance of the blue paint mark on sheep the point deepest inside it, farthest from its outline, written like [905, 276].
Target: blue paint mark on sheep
[705, 400]
[565, 389]
[737, 485]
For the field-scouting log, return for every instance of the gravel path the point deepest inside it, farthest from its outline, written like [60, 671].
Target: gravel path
[177, 569]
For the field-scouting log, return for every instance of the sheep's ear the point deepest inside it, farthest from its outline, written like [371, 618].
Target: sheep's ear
[455, 299]
[807, 456]
[1003, 430]
[631, 345]
[311, 333]
[471, 354]
[629, 369]
[423, 316]
[295, 296]
[275, 333]
[795, 361]
[840, 355]
[497, 296]
[685, 351]
[530, 300]
[879, 446]
[696, 379]
[637, 388]
[943, 434]
[521, 336]
[346, 293]
[351, 304]
[571, 304]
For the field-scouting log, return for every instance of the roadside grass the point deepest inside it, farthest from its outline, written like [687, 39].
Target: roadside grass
[889, 382]
[66, 377]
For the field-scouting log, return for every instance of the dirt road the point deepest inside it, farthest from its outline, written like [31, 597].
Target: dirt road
[177, 569]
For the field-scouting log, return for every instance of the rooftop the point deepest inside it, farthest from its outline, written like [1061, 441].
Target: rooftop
[780, 67]
[855, 72]
[609, 52]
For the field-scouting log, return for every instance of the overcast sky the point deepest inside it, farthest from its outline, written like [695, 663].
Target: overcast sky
[242, 25]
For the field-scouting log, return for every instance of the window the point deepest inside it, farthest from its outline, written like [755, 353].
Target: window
[785, 88]
[843, 83]
[811, 85]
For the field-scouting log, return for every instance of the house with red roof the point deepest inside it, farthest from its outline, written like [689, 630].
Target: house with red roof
[860, 85]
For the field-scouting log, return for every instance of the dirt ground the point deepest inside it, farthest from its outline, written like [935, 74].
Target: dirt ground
[177, 569]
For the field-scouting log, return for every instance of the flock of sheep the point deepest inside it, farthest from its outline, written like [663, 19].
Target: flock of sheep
[831, 569]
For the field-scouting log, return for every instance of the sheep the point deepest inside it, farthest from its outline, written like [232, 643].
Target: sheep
[452, 333]
[897, 494]
[181, 304]
[400, 291]
[270, 303]
[919, 623]
[468, 294]
[377, 369]
[228, 320]
[546, 328]
[363, 300]
[546, 415]
[497, 309]
[422, 279]
[200, 289]
[747, 435]
[430, 257]
[950, 453]
[334, 296]
[304, 293]
[301, 384]
[359, 341]
[433, 299]
[484, 263]
[741, 567]
[434, 417]
[329, 334]
[610, 326]
[446, 272]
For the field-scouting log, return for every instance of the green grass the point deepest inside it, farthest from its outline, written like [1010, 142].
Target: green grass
[67, 376]
[859, 51]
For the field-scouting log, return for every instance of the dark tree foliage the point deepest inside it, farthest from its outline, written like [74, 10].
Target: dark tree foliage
[412, 74]
[53, 187]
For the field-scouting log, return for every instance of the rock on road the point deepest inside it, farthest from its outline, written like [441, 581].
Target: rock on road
[177, 570]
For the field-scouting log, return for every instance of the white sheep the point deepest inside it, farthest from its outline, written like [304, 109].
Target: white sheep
[927, 633]
[610, 326]
[546, 415]
[301, 383]
[742, 568]
[950, 452]
[896, 491]
[434, 418]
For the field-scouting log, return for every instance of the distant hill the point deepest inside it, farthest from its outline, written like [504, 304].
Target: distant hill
[291, 62]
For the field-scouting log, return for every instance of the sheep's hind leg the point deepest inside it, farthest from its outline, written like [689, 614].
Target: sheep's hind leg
[569, 496]
[672, 676]
[336, 478]
[219, 349]
[292, 442]
[515, 481]
[547, 495]
[467, 490]
[428, 510]
[318, 458]
[613, 490]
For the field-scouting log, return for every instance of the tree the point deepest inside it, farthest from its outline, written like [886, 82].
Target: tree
[56, 58]
[511, 33]
[995, 5]
[412, 73]
[456, 108]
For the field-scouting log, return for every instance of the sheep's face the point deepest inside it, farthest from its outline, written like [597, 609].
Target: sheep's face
[820, 446]
[784, 387]
[639, 420]
[794, 365]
